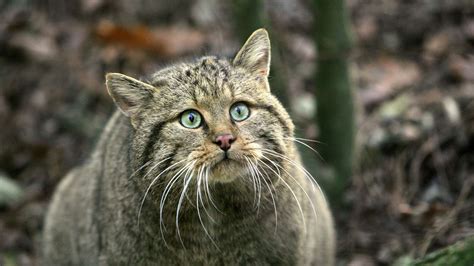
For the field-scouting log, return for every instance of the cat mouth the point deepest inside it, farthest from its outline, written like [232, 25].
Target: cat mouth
[227, 166]
[228, 157]
[224, 157]
[226, 171]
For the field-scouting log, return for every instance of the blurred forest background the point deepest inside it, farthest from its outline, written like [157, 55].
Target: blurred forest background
[412, 74]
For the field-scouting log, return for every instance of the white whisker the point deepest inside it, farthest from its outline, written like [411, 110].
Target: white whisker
[201, 177]
[259, 183]
[151, 185]
[141, 167]
[307, 146]
[291, 191]
[188, 177]
[208, 191]
[309, 140]
[254, 182]
[199, 198]
[271, 193]
[301, 187]
[165, 195]
[301, 168]
[154, 166]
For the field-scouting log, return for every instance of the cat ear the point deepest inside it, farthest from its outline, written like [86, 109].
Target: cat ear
[128, 93]
[255, 54]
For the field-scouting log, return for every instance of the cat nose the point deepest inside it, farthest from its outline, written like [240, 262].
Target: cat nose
[224, 141]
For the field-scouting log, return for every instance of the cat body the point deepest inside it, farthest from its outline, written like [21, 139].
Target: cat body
[198, 167]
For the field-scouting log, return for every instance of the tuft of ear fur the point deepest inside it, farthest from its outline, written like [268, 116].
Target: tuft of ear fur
[255, 54]
[128, 93]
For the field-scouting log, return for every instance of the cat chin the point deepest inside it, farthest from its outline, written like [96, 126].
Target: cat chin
[227, 170]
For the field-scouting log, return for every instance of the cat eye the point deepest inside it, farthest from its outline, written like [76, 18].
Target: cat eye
[239, 112]
[190, 119]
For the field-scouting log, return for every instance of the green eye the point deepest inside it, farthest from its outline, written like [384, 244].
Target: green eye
[191, 119]
[239, 112]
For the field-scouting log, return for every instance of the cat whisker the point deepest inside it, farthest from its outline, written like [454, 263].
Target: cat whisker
[151, 185]
[302, 189]
[141, 167]
[188, 177]
[262, 171]
[299, 167]
[289, 188]
[165, 195]
[200, 180]
[306, 173]
[154, 166]
[309, 140]
[199, 199]
[254, 182]
[208, 191]
[270, 190]
[297, 140]
[259, 183]
[266, 174]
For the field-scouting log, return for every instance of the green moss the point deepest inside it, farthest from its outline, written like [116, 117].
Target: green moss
[459, 254]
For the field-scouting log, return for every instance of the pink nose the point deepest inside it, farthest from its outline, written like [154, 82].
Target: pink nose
[224, 141]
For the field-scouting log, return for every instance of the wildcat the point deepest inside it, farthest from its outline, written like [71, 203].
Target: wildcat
[197, 167]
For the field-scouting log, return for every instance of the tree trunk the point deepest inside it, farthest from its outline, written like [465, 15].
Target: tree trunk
[249, 16]
[335, 109]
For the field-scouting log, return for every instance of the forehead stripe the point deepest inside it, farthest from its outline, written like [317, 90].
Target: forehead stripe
[152, 138]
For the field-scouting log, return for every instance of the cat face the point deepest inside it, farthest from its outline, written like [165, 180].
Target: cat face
[210, 119]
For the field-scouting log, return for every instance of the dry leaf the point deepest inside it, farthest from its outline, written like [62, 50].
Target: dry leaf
[166, 42]
[385, 77]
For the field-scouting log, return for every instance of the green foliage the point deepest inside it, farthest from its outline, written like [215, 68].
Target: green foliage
[10, 191]
[9, 259]
[459, 254]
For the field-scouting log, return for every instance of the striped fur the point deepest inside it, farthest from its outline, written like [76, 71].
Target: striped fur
[258, 208]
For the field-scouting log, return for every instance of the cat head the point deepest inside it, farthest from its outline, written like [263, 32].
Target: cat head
[211, 117]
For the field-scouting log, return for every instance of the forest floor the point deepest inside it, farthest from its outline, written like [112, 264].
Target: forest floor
[413, 77]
